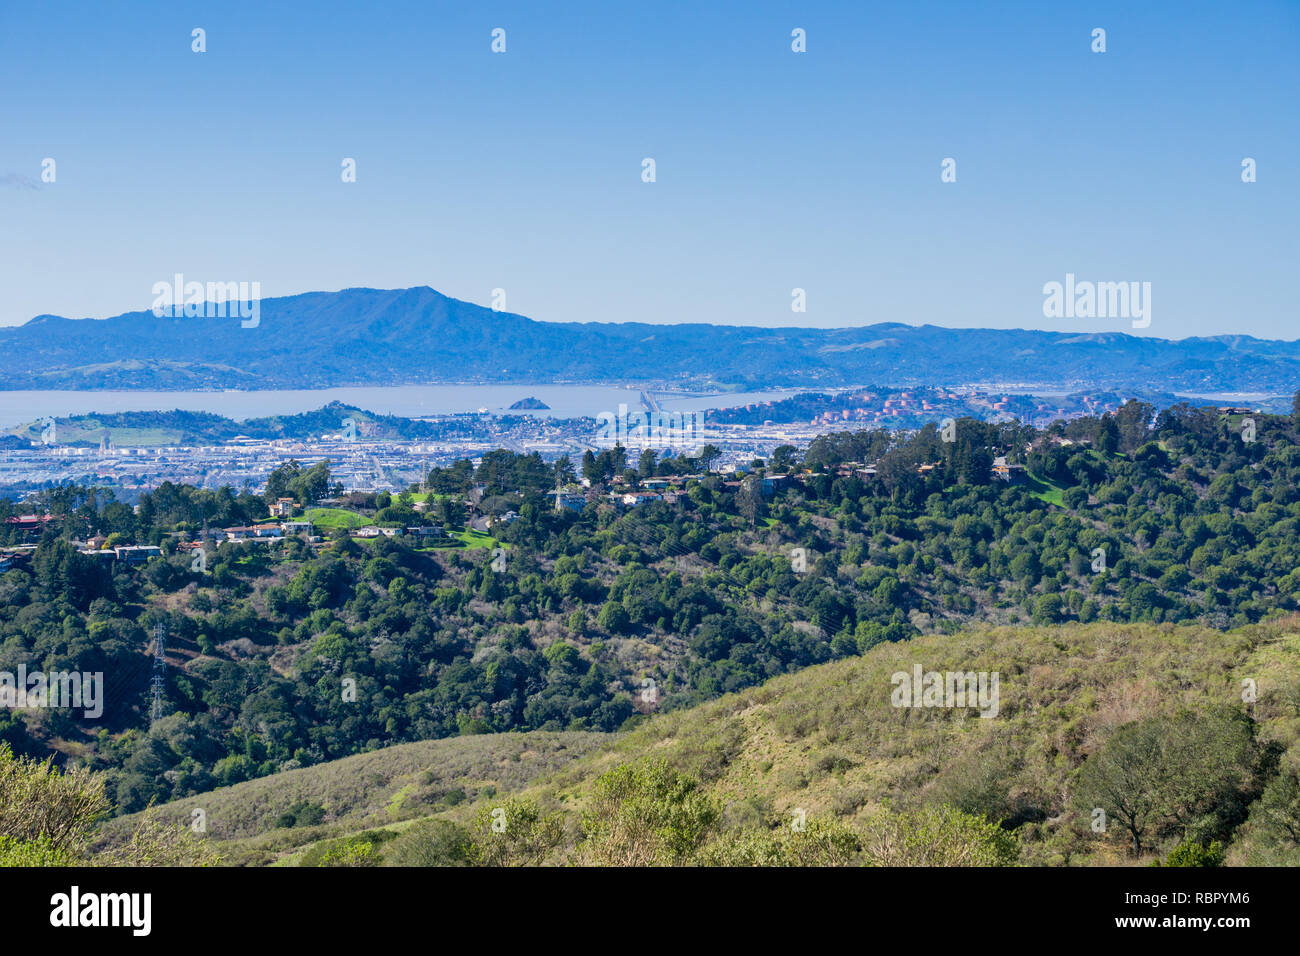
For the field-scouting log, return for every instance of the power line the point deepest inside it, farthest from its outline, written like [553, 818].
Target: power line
[159, 671]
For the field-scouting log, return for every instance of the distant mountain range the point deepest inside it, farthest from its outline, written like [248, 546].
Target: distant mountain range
[419, 336]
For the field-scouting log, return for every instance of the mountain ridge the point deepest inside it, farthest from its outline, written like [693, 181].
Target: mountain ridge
[365, 336]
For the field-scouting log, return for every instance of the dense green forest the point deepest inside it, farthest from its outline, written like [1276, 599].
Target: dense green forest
[295, 653]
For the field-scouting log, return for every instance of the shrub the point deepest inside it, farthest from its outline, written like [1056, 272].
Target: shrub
[1194, 854]
[361, 849]
[819, 843]
[46, 816]
[431, 843]
[646, 814]
[515, 833]
[937, 836]
[1277, 814]
[355, 852]
[39, 804]
[303, 813]
[39, 852]
[1169, 774]
[154, 843]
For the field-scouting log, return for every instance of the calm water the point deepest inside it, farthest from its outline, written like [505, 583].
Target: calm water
[410, 401]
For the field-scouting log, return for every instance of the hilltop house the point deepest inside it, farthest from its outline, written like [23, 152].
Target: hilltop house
[1005, 472]
[254, 532]
[374, 531]
[634, 498]
[430, 531]
[510, 517]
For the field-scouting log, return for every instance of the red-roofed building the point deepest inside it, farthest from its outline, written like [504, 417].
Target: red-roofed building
[29, 522]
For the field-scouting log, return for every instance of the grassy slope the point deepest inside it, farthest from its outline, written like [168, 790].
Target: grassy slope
[475, 539]
[335, 518]
[828, 740]
[370, 789]
[1044, 489]
[89, 430]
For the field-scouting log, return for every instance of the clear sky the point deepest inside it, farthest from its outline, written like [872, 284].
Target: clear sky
[775, 170]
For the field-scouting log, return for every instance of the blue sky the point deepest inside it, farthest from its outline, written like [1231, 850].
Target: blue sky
[775, 170]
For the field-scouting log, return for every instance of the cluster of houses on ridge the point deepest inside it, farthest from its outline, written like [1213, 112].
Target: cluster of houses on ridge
[670, 490]
[277, 532]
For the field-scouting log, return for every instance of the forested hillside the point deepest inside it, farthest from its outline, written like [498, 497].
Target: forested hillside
[293, 653]
[1113, 744]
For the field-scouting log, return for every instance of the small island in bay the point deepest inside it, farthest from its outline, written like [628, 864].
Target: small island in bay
[530, 404]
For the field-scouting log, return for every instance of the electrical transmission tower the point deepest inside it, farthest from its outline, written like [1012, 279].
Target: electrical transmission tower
[159, 672]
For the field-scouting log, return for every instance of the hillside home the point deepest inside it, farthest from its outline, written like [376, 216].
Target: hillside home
[371, 531]
[137, 554]
[573, 502]
[257, 532]
[1005, 472]
[29, 522]
[29, 525]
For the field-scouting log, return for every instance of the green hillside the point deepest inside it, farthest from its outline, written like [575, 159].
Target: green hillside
[186, 427]
[827, 741]
[383, 786]
[334, 518]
